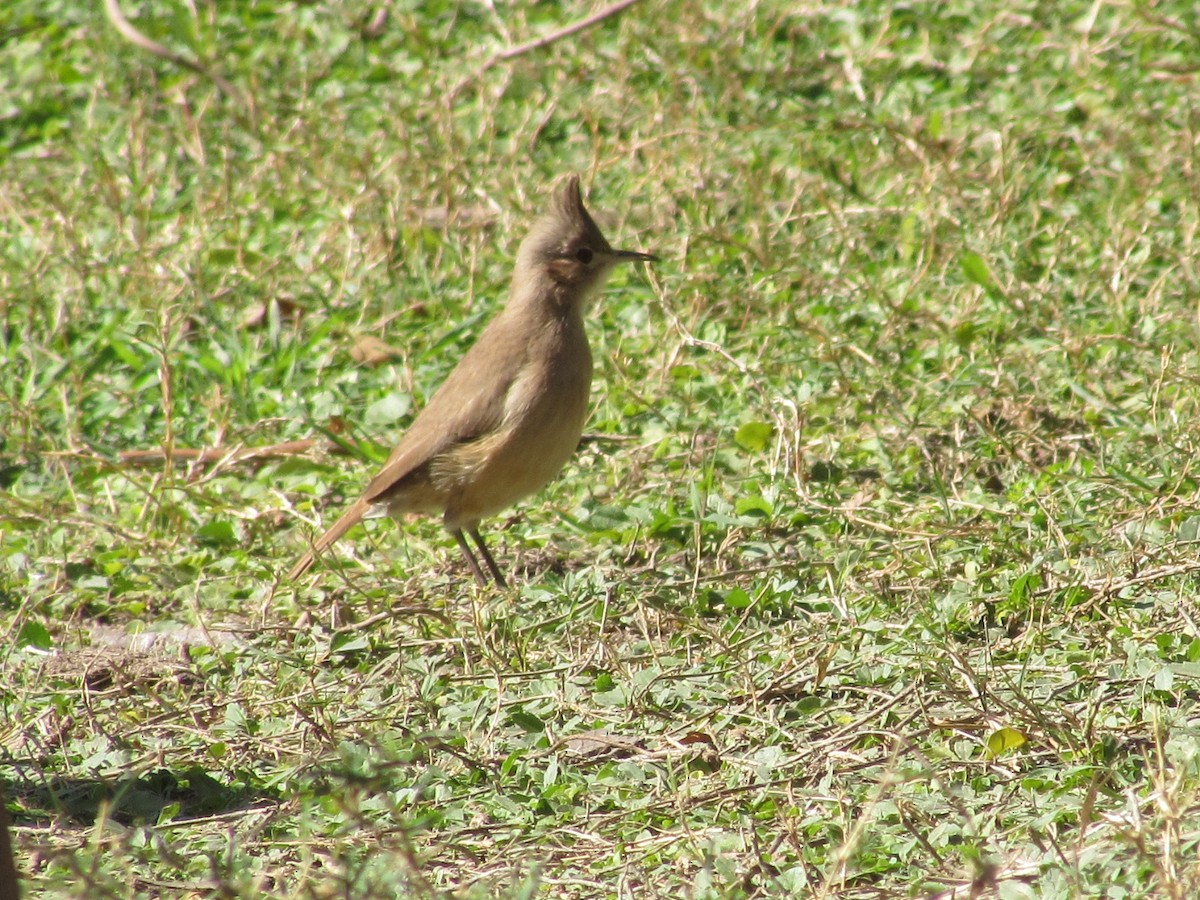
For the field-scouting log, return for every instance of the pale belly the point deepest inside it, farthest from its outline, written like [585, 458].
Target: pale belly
[539, 436]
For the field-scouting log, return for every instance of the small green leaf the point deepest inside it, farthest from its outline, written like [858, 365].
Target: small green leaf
[737, 599]
[35, 634]
[1189, 529]
[1164, 679]
[349, 642]
[965, 334]
[683, 373]
[169, 813]
[387, 410]
[976, 271]
[527, 721]
[218, 533]
[1192, 654]
[222, 256]
[754, 437]
[1002, 740]
[752, 506]
[1024, 587]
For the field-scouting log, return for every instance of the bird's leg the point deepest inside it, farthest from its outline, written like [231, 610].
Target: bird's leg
[471, 560]
[487, 558]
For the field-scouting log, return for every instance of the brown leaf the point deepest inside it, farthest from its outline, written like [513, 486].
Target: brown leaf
[599, 743]
[705, 755]
[256, 314]
[371, 351]
[697, 737]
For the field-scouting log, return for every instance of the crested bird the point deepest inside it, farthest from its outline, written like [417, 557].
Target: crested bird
[508, 417]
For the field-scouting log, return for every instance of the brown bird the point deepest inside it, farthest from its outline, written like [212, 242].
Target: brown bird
[509, 416]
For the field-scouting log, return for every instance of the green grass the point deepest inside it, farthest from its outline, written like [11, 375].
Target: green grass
[876, 577]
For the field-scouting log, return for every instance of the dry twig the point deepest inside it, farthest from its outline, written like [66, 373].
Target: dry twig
[135, 37]
[546, 40]
[215, 454]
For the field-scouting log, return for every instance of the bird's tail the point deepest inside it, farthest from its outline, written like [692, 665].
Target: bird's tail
[348, 520]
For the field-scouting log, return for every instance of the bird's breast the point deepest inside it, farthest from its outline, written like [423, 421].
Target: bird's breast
[544, 412]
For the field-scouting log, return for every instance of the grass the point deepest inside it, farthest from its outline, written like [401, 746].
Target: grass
[875, 576]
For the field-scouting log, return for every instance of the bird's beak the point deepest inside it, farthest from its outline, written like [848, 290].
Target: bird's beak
[634, 256]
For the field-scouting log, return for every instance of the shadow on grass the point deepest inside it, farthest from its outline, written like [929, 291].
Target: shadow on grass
[128, 800]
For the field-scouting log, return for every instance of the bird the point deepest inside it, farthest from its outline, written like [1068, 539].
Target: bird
[509, 416]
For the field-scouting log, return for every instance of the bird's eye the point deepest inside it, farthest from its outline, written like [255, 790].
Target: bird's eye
[584, 255]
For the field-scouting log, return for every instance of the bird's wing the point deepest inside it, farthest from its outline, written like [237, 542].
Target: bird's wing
[469, 404]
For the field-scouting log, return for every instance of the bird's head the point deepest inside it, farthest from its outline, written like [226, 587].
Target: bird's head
[565, 247]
